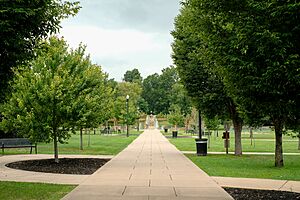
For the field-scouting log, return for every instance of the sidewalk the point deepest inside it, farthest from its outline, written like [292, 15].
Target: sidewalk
[150, 168]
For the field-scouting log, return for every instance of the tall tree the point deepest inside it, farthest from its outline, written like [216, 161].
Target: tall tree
[157, 90]
[59, 90]
[203, 84]
[133, 76]
[254, 46]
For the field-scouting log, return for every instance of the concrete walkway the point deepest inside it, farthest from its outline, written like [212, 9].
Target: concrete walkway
[150, 168]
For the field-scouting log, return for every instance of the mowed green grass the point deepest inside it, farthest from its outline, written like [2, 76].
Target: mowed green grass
[99, 145]
[262, 142]
[248, 166]
[33, 191]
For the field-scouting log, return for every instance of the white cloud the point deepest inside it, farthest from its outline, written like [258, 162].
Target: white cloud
[109, 42]
[120, 50]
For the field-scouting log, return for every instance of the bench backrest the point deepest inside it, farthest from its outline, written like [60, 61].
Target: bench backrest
[15, 142]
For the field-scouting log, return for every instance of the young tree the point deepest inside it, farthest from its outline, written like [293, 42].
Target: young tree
[22, 24]
[175, 116]
[60, 89]
[133, 90]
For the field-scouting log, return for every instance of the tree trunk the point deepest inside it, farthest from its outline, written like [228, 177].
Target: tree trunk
[55, 148]
[251, 135]
[89, 132]
[238, 125]
[81, 142]
[199, 124]
[299, 141]
[278, 147]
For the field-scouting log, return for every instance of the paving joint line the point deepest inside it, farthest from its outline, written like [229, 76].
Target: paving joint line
[175, 192]
[283, 185]
[124, 190]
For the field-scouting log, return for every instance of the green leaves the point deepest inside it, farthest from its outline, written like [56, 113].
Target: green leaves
[22, 25]
[60, 90]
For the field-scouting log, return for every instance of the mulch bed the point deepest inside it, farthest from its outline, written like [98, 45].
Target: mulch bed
[251, 194]
[82, 166]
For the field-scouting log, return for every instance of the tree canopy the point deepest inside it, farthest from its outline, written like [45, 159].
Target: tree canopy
[157, 90]
[133, 76]
[59, 91]
[133, 90]
[22, 24]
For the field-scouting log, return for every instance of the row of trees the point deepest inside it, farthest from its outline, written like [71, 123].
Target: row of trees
[240, 59]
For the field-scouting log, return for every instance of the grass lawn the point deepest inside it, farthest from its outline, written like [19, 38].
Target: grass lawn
[32, 191]
[248, 166]
[263, 142]
[99, 145]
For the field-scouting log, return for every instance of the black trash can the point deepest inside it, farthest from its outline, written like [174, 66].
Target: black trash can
[166, 130]
[174, 134]
[201, 145]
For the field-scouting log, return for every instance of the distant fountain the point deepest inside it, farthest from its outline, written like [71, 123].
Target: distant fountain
[151, 122]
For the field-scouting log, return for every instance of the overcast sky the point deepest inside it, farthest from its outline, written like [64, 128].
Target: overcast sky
[124, 34]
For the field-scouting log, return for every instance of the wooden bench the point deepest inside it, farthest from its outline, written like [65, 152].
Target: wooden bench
[7, 143]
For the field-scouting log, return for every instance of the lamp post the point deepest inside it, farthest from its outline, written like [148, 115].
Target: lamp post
[200, 125]
[127, 99]
[138, 120]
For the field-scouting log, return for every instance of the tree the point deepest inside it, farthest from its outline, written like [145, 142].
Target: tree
[57, 92]
[22, 25]
[133, 90]
[203, 84]
[133, 76]
[157, 90]
[179, 96]
[254, 46]
[175, 116]
[152, 94]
